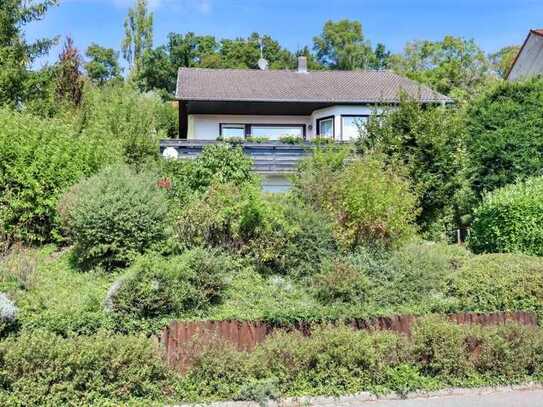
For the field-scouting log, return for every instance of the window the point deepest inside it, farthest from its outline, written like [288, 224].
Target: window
[275, 132]
[232, 130]
[325, 127]
[352, 126]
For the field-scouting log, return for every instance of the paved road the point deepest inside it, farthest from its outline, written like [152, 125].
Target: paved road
[517, 398]
[504, 397]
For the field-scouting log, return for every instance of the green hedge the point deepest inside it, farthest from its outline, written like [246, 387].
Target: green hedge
[39, 368]
[505, 134]
[39, 160]
[510, 220]
[339, 361]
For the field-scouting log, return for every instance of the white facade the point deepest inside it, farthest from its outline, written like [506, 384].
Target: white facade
[343, 117]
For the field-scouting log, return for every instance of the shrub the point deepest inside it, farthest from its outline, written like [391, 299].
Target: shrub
[316, 176]
[340, 281]
[508, 353]
[217, 164]
[113, 216]
[291, 140]
[280, 235]
[414, 276]
[41, 368]
[39, 160]
[339, 360]
[372, 206]
[430, 143]
[155, 286]
[499, 283]
[510, 220]
[18, 269]
[505, 134]
[135, 121]
[441, 349]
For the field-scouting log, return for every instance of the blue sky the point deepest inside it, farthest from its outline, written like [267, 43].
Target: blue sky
[492, 23]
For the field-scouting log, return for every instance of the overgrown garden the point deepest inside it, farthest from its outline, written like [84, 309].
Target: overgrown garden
[103, 242]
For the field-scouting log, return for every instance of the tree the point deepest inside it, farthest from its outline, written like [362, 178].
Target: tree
[503, 59]
[16, 54]
[138, 29]
[341, 45]
[454, 66]
[69, 78]
[429, 142]
[103, 65]
[381, 57]
[160, 65]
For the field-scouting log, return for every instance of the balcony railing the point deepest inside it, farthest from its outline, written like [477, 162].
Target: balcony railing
[270, 157]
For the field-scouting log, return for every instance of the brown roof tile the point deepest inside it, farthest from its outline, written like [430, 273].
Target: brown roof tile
[291, 86]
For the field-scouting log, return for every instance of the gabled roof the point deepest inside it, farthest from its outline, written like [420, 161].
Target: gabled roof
[199, 84]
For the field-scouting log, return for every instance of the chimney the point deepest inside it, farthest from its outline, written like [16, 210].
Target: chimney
[302, 64]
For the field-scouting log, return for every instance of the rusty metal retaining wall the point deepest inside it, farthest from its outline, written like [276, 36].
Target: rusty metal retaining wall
[181, 340]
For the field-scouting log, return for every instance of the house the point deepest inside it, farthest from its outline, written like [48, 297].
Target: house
[529, 60]
[226, 103]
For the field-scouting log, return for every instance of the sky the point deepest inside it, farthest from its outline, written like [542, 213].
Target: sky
[491, 23]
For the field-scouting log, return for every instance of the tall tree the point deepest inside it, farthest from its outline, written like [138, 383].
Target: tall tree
[16, 54]
[69, 78]
[341, 45]
[138, 34]
[103, 65]
[503, 59]
[381, 58]
[453, 66]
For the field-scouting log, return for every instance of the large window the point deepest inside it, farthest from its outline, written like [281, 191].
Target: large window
[352, 126]
[232, 130]
[325, 127]
[275, 132]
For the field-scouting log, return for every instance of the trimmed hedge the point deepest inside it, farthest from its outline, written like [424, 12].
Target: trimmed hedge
[510, 220]
[505, 134]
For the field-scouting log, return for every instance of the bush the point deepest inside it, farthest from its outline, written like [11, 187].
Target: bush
[414, 277]
[39, 160]
[316, 176]
[135, 121]
[372, 206]
[505, 134]
[40, 368]
[430, 143]
[340, 281]
[113, 216]
[499, 283]
[280, 235]
[441, 349]
[155, 286]
[510, 220]
[218, 163]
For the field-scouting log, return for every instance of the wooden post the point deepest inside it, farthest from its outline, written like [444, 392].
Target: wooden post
[183, 120]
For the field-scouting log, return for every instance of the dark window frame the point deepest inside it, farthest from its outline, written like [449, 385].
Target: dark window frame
[320, 119]
[351, 115]
[233, 124]
[248, 127]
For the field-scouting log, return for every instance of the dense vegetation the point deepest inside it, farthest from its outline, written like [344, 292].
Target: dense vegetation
[102, 243]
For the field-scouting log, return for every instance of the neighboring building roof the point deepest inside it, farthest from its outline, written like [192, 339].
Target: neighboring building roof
[529, 60]
[291, 86]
